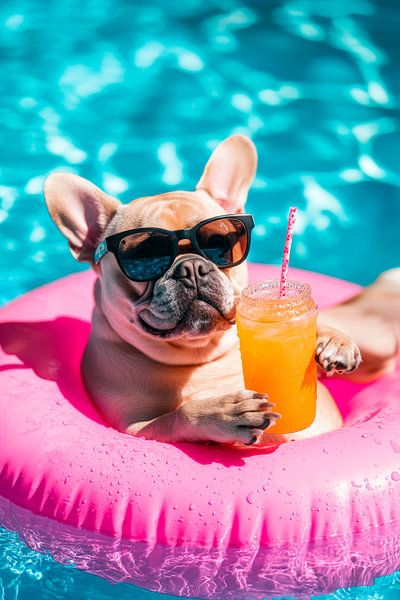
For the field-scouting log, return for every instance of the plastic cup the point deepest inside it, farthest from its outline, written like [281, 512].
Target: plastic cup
[277, 344]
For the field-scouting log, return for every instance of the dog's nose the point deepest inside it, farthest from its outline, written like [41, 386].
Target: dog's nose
[192, 271]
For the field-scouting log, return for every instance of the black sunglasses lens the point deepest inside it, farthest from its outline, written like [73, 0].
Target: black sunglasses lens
[146, 255]
[223, 241]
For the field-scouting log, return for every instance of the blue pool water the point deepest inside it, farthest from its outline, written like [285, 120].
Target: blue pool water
[134, 95]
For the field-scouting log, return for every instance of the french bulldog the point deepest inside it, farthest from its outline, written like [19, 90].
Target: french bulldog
[162, 361]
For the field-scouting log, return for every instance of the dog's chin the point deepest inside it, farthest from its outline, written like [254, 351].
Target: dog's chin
[200, 320]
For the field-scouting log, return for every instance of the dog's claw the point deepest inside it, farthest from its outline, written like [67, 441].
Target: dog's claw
[252, 441]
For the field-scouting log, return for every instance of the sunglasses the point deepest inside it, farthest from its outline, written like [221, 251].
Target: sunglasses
[146, 254]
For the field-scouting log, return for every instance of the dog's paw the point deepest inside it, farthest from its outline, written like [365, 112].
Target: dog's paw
[336, 352]
[251, 414]
[237, 418]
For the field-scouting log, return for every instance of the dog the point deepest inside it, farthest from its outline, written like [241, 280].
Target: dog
[162, 361]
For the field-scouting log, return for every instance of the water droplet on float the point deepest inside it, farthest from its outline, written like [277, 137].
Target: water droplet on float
[355, 484]
[251, 498]
[395, 476]
[192, 506]
[395, 446]
[325, 450]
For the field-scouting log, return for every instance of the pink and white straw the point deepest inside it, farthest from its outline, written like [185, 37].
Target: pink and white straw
[286, 252]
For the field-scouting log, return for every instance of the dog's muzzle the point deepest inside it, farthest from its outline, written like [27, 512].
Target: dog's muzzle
[193, 296]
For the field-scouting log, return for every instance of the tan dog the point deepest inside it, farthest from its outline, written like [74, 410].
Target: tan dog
[162, 361]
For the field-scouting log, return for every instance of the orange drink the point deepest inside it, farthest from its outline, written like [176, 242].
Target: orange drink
[277, 344]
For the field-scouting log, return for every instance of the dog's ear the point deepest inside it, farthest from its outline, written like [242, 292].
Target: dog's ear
[229, 172]
[80, 210]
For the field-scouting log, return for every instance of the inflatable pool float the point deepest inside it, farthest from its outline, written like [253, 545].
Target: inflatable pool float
[193, 520]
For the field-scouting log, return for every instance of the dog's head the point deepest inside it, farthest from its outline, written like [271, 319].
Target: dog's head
[194, 298]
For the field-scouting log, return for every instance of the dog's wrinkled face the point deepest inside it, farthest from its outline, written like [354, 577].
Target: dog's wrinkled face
[193, 299]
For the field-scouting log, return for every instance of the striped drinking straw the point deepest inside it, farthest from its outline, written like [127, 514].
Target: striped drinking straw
[286, 252]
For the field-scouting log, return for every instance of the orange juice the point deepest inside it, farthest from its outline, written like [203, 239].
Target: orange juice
[277, 344]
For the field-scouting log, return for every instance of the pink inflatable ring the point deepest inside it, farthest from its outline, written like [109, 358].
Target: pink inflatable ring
[298, 519]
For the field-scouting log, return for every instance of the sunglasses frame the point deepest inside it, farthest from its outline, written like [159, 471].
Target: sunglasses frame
[111, 243]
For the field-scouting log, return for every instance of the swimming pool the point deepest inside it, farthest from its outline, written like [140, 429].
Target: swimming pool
[134, 95]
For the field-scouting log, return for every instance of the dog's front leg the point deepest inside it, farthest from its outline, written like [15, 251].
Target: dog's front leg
[241, 417]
